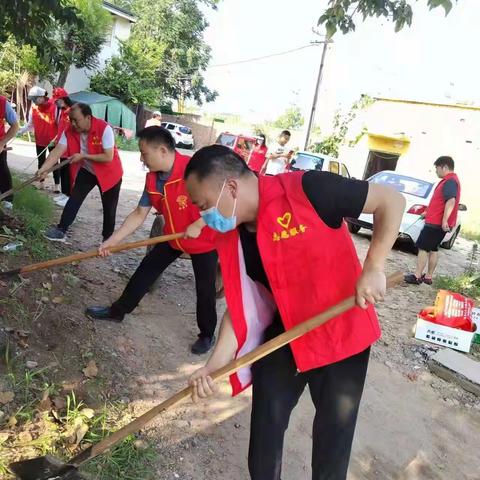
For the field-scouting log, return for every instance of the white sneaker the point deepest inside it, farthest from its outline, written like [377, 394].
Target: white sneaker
[7, 205]
[62, 202]
[60, 197]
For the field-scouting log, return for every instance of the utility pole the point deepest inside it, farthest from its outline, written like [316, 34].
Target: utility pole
[317, 88]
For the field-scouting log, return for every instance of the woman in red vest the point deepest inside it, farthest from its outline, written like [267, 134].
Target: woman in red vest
[286, 255]
[90, 143]
[42, 122]
[440, 218]
[165, 191]
[258, 155]
[7, 116]
[63, 104]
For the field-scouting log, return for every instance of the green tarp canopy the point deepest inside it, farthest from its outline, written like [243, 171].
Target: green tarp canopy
[107, 108]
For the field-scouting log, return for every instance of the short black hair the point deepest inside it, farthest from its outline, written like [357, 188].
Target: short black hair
[216, 160]
[84, 108]
[286, 132]
[158, 136]
[445, 162]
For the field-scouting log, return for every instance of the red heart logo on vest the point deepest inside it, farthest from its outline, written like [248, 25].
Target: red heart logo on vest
[285, 219]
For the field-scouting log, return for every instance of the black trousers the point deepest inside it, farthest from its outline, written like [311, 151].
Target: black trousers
[65, 182]
[152, 266]
[336, 391]
[84, 183]
[5, 176]
[42, 156]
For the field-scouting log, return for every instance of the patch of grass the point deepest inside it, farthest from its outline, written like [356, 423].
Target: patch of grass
[124, 144]
[125, 461]
[130, 460]
[35, 210]
[465, 284]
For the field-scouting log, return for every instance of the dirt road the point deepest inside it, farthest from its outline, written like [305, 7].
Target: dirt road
[412, 425]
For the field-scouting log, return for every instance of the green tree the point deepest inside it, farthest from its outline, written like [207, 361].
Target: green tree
[340, 14]
[80, 46]
[165, 56]
[132, 76]
[18, 67]
[32, 22]
[292, 118]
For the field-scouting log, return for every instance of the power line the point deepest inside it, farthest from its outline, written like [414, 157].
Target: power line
[254, 59]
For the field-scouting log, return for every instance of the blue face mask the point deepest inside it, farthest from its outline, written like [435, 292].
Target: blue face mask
[216, 221]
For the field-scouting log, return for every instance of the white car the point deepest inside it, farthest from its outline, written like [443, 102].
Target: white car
[181, 134]
[417, 193]
[317, 161]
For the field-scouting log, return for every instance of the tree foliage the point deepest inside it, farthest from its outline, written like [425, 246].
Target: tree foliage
[331, 144]
[32, 22]
[165, 56]
[340, 14]
[80, 46]
[292, 118]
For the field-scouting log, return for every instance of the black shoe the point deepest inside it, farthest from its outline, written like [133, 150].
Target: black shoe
[412, 279]
[103, 313]
[203, 345]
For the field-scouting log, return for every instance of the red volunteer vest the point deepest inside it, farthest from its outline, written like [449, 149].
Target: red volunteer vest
[43, 117]
[257, 159]
[108, 174]
[434, 214]
[3, 111]
[310, 267]
[63, 122]
[177, 208]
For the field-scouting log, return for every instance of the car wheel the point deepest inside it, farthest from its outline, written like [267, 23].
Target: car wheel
[448, 245]
[352, 228]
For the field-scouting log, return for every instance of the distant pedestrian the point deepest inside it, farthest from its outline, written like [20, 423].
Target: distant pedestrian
[440, 218]
[278, 155]
[155, 121]
[258, 155]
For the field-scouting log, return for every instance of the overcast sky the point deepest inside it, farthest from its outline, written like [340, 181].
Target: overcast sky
[436, 59]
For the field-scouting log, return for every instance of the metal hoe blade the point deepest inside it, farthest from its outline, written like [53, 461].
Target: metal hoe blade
[45, 468]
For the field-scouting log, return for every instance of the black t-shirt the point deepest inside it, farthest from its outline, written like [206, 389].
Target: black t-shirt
[450, 189]
[333, 197]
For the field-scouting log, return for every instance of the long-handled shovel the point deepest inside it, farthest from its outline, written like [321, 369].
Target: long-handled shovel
[33, 179]
[49, 468]
[90, 254]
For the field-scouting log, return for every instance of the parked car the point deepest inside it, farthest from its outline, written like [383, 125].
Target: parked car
[417, 193]
[181, 134]
[241, 144]
[317, 161]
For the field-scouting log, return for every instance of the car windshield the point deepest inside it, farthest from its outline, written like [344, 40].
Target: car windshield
[404, 184]
[226, 139]
[303, 161]
[185, 130]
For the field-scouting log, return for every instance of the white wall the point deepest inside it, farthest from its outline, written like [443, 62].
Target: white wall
[79, 79]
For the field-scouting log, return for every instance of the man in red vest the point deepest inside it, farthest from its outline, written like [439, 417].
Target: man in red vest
[41, 121]
[165, 191]
[7, 116]
[286, 255]
[440, 218]
[90, 143]
[63, 104]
